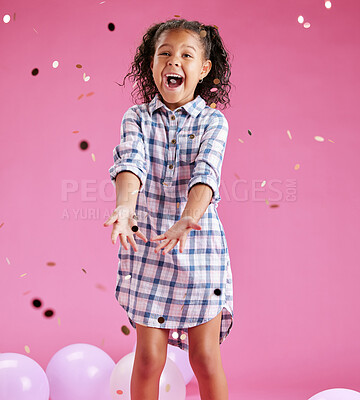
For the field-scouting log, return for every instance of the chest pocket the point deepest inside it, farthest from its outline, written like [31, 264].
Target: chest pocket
[188, 146]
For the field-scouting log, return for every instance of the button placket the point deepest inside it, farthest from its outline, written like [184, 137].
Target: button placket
[172, 150]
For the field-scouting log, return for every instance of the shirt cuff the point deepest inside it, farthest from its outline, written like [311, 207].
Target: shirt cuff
[116, 169]
[211, 182]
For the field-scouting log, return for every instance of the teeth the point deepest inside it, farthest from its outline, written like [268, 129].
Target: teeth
[175, 75]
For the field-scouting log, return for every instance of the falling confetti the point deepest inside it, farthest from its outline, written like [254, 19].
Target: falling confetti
[319, 138]
[84, 145]
[6, 18]
[289, 134]
[81, 96]
[183, 336]
[90, 94]
[27, 349]
[274, 206]
[37, 303]
[111, 26]
[49, 313]
[55, 64]
[86, 78]
[35, 30]
[125, 330]
[50, 263]
[216, 81]
[249, 132]
[100, 286]
[27, 292]
[307, 25]
[2, 224]
[177, 205]
[175, 335]
[327, 4]
[177, 16]
[213, 105]
[93, 156]
[263, 183]
[75, 131]
[35, 71]
[240, 140]
[167, 388]
[7, 260]
[237, 176]
[214, 89]
[58, 321]
[84, 270]
[328, 140]
[119, 391]
[297, 166]
[78, 66]
[300, 19]
[23, 275]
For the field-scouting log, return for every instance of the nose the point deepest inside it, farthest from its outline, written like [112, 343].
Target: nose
[172, 61]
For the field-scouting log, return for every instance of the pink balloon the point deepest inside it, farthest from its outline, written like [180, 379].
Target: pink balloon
[337, 394]
[80, 371]
[22, 378]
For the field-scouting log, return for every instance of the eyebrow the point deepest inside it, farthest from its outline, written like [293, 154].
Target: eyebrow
[167, 44]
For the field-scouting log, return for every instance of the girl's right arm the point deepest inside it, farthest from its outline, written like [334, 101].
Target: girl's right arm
[127, 186]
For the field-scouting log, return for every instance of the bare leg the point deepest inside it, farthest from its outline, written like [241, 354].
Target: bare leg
[149, 362]
[205, 360]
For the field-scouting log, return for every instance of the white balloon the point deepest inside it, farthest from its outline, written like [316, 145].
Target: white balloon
[171, 385]
[337, 394]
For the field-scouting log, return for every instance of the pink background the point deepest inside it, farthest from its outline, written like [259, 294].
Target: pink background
[295, 267]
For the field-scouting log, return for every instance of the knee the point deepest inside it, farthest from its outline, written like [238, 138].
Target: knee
[149, 362]
[204, 362]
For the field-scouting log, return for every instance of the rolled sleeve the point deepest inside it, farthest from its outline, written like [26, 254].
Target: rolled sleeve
[130, 154]
[208, 163]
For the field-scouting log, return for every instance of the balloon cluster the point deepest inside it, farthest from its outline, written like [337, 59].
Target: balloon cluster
[85, 372]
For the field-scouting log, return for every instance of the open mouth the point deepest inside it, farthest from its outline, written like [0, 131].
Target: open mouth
[173, 81]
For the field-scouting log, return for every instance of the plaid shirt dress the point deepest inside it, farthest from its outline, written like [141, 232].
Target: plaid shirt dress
[170, 152]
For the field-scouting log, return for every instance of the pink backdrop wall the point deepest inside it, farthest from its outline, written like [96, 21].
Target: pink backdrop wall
[295, 266]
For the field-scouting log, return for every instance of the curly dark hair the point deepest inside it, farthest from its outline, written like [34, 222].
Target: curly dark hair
[214, 50]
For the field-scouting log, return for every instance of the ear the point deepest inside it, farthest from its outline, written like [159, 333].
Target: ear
[151, 63]
[206, 68]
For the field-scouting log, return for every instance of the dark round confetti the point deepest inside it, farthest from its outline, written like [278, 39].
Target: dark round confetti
[84, 145]
[35, 71]
[134, 228]
[217, 292]
[161, 320]
[125, 330]
[111, 26]
[49, 313]
[36, 303]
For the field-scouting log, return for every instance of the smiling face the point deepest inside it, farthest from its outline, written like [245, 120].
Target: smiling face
[178, 52]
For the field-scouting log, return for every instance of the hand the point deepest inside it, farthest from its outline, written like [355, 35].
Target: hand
[123, 221]
[178, 231]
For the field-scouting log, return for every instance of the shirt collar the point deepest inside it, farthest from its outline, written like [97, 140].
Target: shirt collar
[193, 107]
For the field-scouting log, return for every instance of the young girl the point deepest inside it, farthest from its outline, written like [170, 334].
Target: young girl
[176, 287]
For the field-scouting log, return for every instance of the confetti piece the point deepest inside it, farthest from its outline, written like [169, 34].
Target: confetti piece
[55, 64]
[78, 66]
[263, 183]
[50, 263]
[214, 89]
[100, 286]
[175, 335]
[125, 330]
[297, 166]
[274, 206]
[182, 307]
[75, 131]
[177, 205]
[289, 134]
[165, 184]
[135, 83]
[84, 145]
[86, 78]
[27, 292]
[27, 349]
[49, 313]
[216, 81]
[319, 138]
[183, 336]
[93, 156]
[328, 140]
[216, 27]
[2, 224]
[202, 33]
[111, 26]
[300, 19]
[58, 320]
[34, 72]
[37, 303]
[213, 105]
[90, 94]
[23, 275]
[6, 18]
[307, 25]
[240, 140]
[35, 30]
[135, 191]
[7, 260]
[102, 2]
[102, 342]
[127, 277]
[177, 16]
[167, 388]
[249, 132]
[80, 97]
[328, 4]
[237, 176]
[84, 270]
[14, 16]
[119, 391]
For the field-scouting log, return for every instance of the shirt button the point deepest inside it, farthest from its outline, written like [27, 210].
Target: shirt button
[192, 136]
[173, 141]
[173, 117]
[171, 166]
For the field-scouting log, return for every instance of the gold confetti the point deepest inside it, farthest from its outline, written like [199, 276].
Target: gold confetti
[27, 349]
[167, 388]
[328, 140]
[297, 166]
[216, 27]
[177, 16]
[2, 224]
[84, 270]
[182, 307]
[50, 263]
[23, 275]
[263, 183]
[177, 205]
[267, 201]
[216, 81]
[102, 342]
[274, 206]
[240, 140]
[58, 320]
[81, 96]
[125, 330]
[90, 94]
[93, 156]
[213, 105]
[86, 78]
[78, 66]
[75, 131]
[165, 184]
[183, 336]
[7, 260]
[237, 176]
[100, 286]
[202, 33]
[289, 134]
[319, 138]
